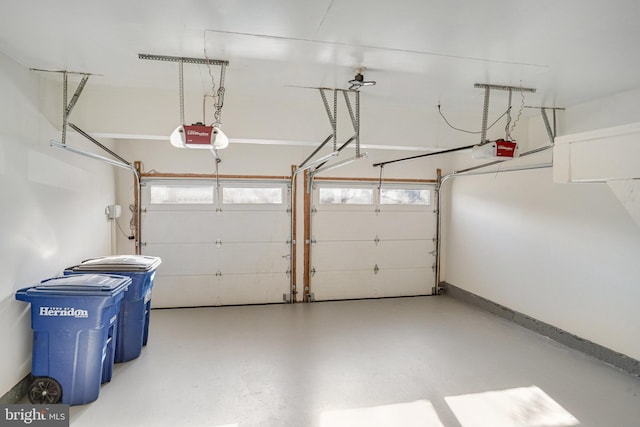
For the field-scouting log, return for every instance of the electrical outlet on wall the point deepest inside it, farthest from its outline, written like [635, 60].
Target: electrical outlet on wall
[113, 211]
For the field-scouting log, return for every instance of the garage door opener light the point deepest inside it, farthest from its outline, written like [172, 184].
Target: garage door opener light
[198, 135]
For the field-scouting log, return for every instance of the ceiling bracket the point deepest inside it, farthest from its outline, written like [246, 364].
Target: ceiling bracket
[318, 164]
[552, 132]
[485, 110]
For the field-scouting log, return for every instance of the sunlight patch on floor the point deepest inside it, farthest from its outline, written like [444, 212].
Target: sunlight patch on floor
[515, 407]
[420, 413]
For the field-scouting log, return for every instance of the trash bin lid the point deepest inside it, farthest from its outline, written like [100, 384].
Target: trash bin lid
[76, 285]
[128, 263]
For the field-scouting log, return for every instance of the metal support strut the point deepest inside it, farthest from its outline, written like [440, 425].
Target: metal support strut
[115, 159]
[485, 115]
[332, 115]
[551, 132]
[485, 109]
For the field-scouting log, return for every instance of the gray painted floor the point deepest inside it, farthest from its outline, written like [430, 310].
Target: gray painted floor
[428, 361]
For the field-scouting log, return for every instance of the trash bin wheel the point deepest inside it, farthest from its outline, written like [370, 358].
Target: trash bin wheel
[45, 390]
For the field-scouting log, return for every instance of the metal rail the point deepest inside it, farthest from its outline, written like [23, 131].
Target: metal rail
[184, 59]
[466, 147]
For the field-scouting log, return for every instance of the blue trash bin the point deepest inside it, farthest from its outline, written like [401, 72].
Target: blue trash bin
[74, 321]
[133, 322]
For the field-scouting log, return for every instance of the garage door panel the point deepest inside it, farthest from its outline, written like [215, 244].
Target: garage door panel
[209, 226]
[183, 291]
[339, 256]
[405, 253]
[394, 282]
[189, 259]
[335, 225]
[405, 224]
[211, 290]
[252, 289]
[342, 256]
[252, 257]
[179, 226]
[257, 225]
[185, 259]
[335, 285]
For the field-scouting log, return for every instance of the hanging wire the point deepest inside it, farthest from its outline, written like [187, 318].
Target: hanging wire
[513, 126]
[220, 99]
[217, 160]
[132, 223]
[468, 131]
[507, 132]
[380, 180]
[210, 71]
[121, 230]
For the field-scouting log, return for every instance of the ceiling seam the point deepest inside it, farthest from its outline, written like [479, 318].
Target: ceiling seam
[387, 49]
[326, 13]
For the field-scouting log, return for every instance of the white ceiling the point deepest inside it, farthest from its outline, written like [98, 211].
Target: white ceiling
[421, 52]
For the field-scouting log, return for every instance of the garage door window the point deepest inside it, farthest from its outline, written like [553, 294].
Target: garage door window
[252, 195]
[346, 196]
[404, 196]
[173, 194]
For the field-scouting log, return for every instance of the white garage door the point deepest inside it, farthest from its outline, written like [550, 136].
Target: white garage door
[219, 245]
[370, 243]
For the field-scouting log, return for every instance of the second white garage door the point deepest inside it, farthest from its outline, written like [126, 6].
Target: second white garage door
[370, 242]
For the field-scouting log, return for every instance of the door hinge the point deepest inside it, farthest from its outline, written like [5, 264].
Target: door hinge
[376, 240]
[376, 269]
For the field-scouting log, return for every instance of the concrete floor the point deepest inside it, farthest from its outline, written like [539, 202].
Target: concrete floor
[427, 361]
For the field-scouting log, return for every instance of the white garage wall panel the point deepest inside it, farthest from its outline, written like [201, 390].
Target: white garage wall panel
[566, 254]
[218, 253]
[369, 249]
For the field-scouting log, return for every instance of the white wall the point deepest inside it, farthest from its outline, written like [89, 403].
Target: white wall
[566, 254]
[52, 209]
